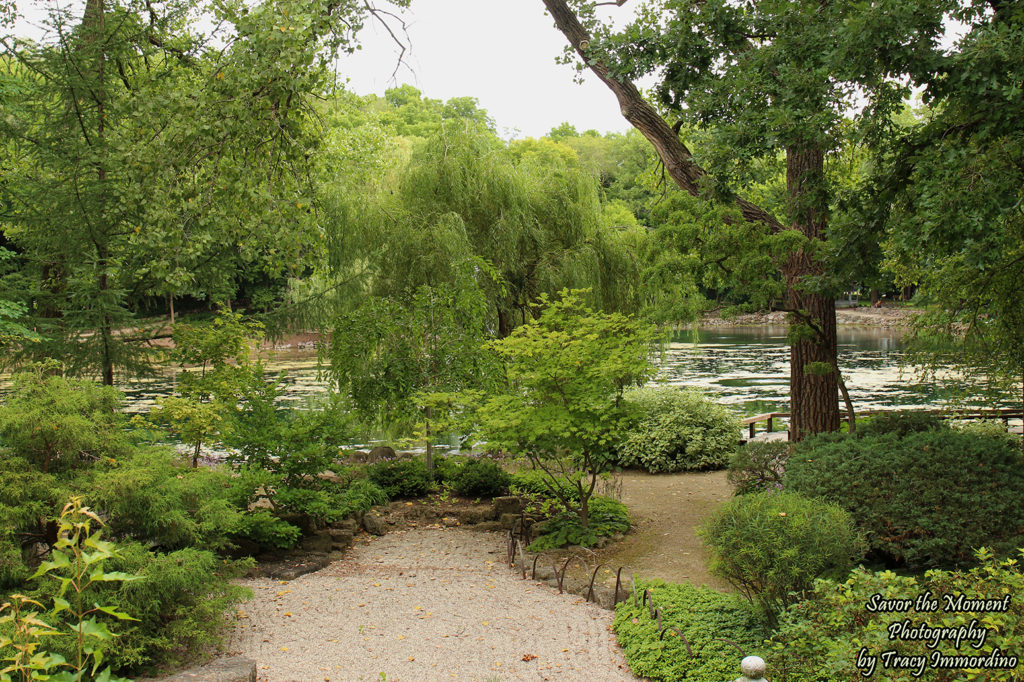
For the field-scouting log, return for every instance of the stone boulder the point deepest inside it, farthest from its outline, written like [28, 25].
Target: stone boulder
[381, 452]
[487, 526]
[234, 669]
[509, 504]
[321, 541]
[475, 515]
[341, 538]
[508, 521]
[348, 524]
[358, 456]
[375, 524]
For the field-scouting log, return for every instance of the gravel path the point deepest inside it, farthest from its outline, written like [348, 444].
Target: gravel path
[424, 606]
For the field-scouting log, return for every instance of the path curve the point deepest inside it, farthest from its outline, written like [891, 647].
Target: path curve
[424, 606]
[666, 510]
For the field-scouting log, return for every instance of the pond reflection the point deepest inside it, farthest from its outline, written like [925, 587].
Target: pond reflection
[745, 367]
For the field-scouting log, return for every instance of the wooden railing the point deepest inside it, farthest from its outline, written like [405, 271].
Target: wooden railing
[1003, 414]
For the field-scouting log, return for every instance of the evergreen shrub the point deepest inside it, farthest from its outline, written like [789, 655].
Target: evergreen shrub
[924, 499]
[481, 478]
[401, 478]
[758, 466]
[179, 603]
[706, 617]
[677, 431]
[446, 467]
[772, 545]
[899, 424]
[57, 424]
[151, 496]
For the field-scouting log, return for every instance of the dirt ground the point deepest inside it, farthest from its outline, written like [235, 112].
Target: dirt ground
[666, 510]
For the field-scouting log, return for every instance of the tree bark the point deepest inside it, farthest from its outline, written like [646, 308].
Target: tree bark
[813, 396]
[94, 28]
[813, 369]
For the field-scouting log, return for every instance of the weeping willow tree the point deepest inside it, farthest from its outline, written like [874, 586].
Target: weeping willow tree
[455, 252]
[537, 221]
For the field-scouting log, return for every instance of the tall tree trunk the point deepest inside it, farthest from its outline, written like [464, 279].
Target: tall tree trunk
[94, 27]
[813, 396]
[813, 380]
[106, 331]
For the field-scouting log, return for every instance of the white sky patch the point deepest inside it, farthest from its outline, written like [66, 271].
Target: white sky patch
[502, 52]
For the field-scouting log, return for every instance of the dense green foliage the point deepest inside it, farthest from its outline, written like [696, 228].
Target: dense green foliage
[820, 638]
[947, 196]
[186, 148]
[910, 494]
[677, 431]
[153, 499]
[563, 408]
[714, 625]
[543, 492]
[179, 602]
[146, 160]
[606, 517]
[759, 466]
[401, 478]
[79, 626]
[481, 478]
[58, 425]
[899, 424]
[167, 517]
[536, 482]
[773, 545]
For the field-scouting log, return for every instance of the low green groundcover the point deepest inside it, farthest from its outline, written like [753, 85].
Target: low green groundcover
[720, 629]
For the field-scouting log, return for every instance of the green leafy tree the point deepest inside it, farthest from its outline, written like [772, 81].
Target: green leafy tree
[765, 78]
[388, 354]
[146, 160]
[217, 368]
[948, 195]
[563, 409]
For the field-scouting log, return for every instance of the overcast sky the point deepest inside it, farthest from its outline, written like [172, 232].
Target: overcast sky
[501, 52]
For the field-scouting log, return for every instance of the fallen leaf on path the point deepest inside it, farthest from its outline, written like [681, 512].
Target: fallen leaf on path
[529, 657]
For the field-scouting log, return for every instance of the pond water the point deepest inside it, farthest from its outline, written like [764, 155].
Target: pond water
[748, 368]
[745, 367]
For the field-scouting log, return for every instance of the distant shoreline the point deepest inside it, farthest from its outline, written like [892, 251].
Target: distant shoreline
[863, 317]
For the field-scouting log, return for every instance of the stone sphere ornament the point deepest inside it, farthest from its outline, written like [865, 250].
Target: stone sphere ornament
[753, 668]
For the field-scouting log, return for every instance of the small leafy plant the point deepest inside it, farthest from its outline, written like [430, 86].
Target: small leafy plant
[607, 517]
[77, 563]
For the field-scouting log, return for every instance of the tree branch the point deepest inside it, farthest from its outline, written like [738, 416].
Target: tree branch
[674, 154]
